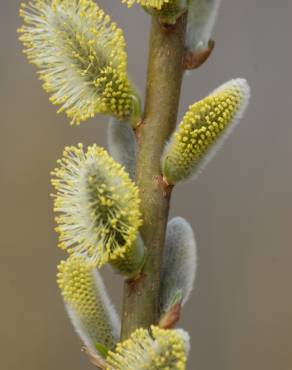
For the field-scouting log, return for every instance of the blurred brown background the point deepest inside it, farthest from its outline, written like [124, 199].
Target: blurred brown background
[240, 314]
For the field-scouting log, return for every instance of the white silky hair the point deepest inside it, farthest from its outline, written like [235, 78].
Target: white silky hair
[202, 16]
[179, 262]
[187, 339]
[122, 145]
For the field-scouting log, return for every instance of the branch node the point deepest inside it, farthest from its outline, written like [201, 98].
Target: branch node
[166, 27]
[135, 284]
[138, 128]
[163, 185]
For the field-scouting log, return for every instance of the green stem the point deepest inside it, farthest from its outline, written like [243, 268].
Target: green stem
[165, 72]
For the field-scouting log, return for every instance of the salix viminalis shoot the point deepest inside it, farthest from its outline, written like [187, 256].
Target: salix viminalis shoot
[206, 124]
[88, 304]
[81, 58]
[99, 209]
[113, 208]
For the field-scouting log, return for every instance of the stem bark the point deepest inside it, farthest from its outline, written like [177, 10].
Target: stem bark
[164, 79]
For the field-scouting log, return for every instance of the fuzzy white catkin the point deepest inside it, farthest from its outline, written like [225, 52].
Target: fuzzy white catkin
[179, 263]
[122, 145]
[201, 19]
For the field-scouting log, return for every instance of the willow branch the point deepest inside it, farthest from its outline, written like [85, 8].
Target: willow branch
[165, 72]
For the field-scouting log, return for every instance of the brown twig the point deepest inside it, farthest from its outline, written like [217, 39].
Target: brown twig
[165, 72]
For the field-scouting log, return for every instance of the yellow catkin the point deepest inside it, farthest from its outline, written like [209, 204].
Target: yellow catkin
[87, 303]
[157, 349]
[81, 56]
[98, 205]
[204, 126]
